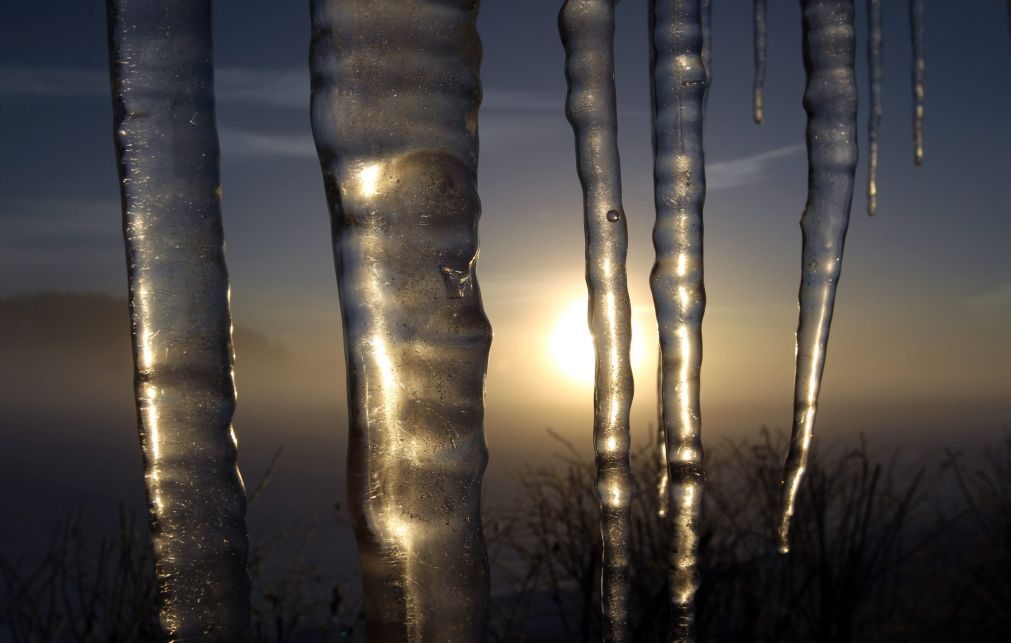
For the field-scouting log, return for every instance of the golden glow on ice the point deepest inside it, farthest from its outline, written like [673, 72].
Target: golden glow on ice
[368, 180]
[570, 344]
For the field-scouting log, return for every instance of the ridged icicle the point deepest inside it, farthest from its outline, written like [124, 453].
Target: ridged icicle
[167, 145]
[395, 97]
[919, 67]
[830, 100]
[587, 31]
[678, 87]
[760, 30]
[874, 39]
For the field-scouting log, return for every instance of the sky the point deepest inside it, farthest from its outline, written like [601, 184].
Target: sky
[919, 349]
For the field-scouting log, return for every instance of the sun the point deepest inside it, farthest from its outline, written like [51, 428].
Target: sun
[571, 345]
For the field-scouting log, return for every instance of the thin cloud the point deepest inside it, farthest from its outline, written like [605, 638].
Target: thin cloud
[265, 87]
[991, 300]
[748, 170]
[244, 143]
[232, 85]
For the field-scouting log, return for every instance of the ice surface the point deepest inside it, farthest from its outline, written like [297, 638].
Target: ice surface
[830, 100]
[874, 41]
[166, 141]
[916, 31]
[759, 87]
[678, 86]
[395, 97]
[587, 31]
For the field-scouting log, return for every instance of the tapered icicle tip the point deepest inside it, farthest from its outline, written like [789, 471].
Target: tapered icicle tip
[830, 100]
[760, 38]
[919, 67]
[874, 41]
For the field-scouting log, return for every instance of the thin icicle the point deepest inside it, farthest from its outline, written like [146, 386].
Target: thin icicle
[678, 86]
[587, 31]
[663, 479]
[916, 30]
[759, 89]
[395, 97]
[830, 100]
[166, 142]
[707, 45]
[874, 39]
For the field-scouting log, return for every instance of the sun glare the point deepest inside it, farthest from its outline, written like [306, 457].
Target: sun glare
[571, 345]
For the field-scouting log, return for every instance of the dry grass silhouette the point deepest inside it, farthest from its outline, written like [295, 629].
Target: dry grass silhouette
[881, 552]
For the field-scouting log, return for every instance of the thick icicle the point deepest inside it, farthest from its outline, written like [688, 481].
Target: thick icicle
[166, 142]
[395, 97]
[587, 31]
[916, 31]
[678, 85]
[759, 88]
[830, 100]
[874, 38]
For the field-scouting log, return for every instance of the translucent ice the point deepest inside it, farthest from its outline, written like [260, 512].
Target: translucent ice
[166, 141]
[830, 100]
[678, 79]
[759, 88]
[874, 118]
[395, 97]
[587, 31]
[916, 30]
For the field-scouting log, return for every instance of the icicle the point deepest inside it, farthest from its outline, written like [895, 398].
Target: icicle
[663, 479]
[759, 88]
[395, 97]
[874, 39]
[678, 85]
[707, 45]
[166, 142]
[587, 31]
[916, 29]
[830, 100]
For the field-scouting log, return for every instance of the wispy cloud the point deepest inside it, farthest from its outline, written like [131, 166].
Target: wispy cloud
[992, 300]
[239, 85]
[266, 87]
[748, 170]
[249, 144]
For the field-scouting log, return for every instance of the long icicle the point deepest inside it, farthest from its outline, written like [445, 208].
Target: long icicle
[166, 143]
[874, 40]
[395, 97]
[919, 67]
[707, 45]
[760, 31]
[678, 86]
[663, 480]
[830, 100]
[587, 31]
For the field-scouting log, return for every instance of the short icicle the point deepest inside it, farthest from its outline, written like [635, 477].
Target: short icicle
[587, 31]
[919, 67]
[830, 100]
[394, 109]
[760, 46]
[874, 41]
[678, 87]
[167, 146]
